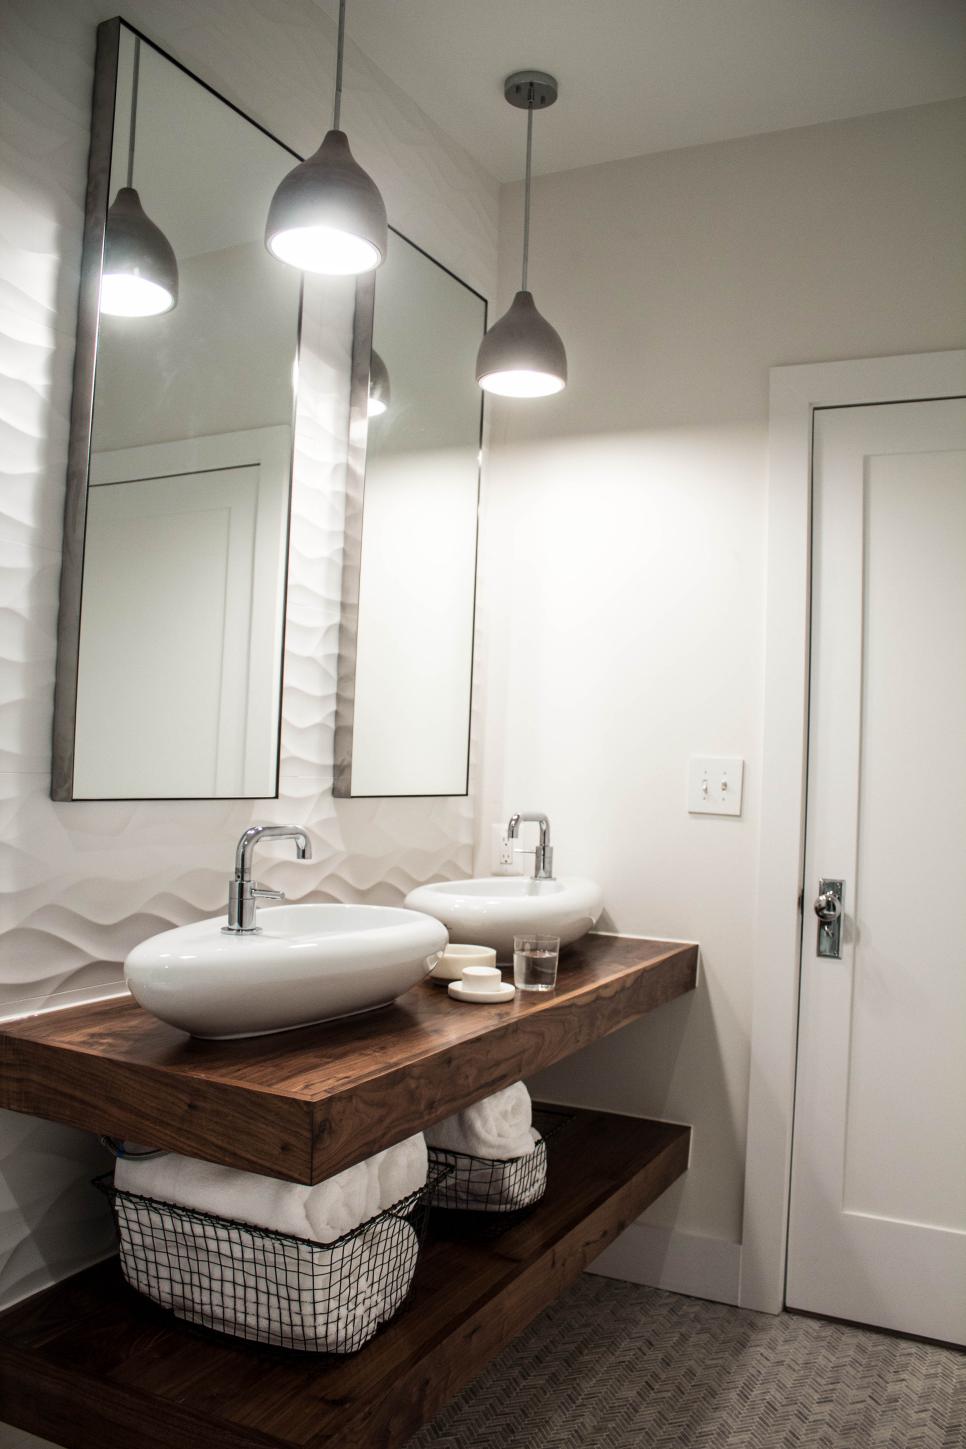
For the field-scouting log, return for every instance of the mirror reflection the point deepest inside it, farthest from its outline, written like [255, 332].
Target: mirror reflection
[184, 551]
[404, 712]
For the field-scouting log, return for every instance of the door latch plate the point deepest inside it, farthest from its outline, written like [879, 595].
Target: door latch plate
[830, 932]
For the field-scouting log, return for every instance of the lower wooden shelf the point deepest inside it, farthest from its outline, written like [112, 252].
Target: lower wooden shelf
[88, 1362]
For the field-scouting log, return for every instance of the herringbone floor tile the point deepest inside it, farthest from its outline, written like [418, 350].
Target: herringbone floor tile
[615, 1366]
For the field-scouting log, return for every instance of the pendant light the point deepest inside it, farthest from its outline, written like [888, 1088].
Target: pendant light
[139, 275]
[327, 215]
[522, 355]
[380, 393]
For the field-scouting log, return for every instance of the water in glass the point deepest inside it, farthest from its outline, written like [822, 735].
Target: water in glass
[535, 962]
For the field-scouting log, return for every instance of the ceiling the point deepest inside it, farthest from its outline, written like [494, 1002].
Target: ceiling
[651, 75]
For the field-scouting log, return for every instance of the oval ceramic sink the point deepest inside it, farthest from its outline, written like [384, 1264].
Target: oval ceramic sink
[306, 964]
[492, 910]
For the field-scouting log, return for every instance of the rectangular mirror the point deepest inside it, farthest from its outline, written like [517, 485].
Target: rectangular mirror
[409, 581]
[171, 625]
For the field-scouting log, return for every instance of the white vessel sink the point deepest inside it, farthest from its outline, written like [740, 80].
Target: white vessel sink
[492, 910]
[305, 964]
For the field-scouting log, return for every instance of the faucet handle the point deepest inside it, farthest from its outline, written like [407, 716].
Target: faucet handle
[263, 893]
[542, 860]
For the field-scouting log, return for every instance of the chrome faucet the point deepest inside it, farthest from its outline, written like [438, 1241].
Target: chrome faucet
[543, 854]
[243, 893]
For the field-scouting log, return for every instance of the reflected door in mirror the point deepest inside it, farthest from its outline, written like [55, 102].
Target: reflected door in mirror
[176, 538]
[180, 650]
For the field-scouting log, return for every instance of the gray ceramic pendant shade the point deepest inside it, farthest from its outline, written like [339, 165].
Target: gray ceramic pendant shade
[139, 277]
[327, 215]
[380, 392]
[139, 271]
[522, 355]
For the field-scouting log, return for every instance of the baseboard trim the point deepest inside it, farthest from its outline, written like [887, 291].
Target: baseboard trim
[677, 1262]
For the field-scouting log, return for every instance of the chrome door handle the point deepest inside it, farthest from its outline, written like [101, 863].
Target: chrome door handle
[828, 908]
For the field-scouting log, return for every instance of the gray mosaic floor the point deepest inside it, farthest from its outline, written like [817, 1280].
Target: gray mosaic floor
[614, 1366]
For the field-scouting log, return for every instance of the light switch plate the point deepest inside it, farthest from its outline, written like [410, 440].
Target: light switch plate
[714, 785]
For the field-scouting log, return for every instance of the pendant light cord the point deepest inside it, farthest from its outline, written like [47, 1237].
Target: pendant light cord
[134, 111]
[340, 46]
[526, 188]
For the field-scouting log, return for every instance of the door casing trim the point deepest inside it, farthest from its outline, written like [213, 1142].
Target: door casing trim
[795, 393]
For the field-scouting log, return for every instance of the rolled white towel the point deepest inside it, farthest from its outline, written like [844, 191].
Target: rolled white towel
[224, 1192]
[292, 1294]
[497, 1127]
[401, 1170]
[322, 1213]
[351, 1197]
[474, 1185]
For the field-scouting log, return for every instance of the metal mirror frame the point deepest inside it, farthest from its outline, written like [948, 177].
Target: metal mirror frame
[355, 489]
[82, 408]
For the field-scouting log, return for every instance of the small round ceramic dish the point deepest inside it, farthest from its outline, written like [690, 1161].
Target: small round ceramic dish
[455, 958]
[481, 985]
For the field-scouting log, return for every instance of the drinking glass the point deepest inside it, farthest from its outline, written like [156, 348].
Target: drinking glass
[535, 962]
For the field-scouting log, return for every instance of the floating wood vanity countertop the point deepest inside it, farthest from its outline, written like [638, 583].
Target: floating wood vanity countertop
[304, 1104]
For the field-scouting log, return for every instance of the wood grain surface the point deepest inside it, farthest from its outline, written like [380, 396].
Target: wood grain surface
[88, 1362]
[302, 1105]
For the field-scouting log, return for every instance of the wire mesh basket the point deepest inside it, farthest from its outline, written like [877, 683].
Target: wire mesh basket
[482, 1195]
[252, 1283]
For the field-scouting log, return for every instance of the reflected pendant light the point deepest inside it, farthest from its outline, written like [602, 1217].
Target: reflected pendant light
[327, 215]
[522, 355]
[380, 393]
[139, 276]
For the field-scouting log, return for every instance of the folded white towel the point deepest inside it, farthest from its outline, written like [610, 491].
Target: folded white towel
[322, 1213]
[497, 1127]
[296, 1295]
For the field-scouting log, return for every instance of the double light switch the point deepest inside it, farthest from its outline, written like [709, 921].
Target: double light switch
[714, 785]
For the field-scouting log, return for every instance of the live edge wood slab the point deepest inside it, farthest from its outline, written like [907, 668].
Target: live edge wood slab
[302, 1105]
[88, 1363]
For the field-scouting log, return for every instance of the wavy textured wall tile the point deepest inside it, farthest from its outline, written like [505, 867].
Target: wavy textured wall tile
[81, 883]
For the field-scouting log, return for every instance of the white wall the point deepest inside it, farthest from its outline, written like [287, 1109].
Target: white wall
[83, 882]
[623, 554]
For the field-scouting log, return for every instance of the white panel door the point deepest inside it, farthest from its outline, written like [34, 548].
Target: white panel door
[877, 1230]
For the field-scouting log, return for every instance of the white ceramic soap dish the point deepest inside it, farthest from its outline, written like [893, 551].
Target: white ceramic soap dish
[456, 958]
[480, 986]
